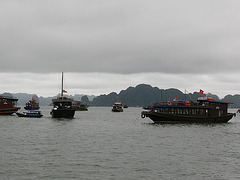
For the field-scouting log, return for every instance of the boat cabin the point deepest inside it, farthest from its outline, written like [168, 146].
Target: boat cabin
[7, 102]
[62, 103]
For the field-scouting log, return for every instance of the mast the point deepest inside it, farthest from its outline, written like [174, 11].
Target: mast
[62, 86]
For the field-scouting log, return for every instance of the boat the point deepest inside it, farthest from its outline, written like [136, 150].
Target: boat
[30, 113]
[8, 105]
[125, 105]
[117, 107]
[62, 106]
[79, 106]
[205, 110]
[148, 107]
[32, 105]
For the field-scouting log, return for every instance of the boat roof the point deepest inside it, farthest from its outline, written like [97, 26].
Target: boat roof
[189, 107]
[8, 98]
[209, 99]
[117, 103]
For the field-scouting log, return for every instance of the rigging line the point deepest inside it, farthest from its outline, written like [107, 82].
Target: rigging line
[136, 119]
[188, 94]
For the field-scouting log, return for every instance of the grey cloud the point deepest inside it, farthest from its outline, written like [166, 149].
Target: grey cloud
[122, 37]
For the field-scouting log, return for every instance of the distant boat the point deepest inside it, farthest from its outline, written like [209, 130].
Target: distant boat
[30, 113]
[117, 107]
[79, 106]
[205, 110]
[125, 105]
[62, 106]
[147, 107]
[8, 105]
[32, 105]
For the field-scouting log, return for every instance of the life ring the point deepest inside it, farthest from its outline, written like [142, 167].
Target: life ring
[188, 103]
[143, 115]
[169, 103]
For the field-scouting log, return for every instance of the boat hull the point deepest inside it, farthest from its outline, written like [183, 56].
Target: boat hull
[31, 108]
[167, 118]
[29, 115]
[9, 111]
[62, 113]
[117, 110]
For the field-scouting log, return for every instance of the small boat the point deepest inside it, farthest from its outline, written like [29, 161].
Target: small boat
[117, 107]
[8, 105]
[62, 106]
[30, 113]
[125, 105]
[205, 110]
[32, 105]
[147, 107]
[79, 106]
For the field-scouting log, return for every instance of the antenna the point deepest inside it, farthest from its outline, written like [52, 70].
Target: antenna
[62, 86]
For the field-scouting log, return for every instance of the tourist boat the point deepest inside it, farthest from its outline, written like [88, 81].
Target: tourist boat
[30, 113]
[32, 105]
[62, 106]
[117, 107]
[205, 110]
[125, 105]
[79, 106]
[8, 105]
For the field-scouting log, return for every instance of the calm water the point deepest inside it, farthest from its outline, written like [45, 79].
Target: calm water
[100, 144]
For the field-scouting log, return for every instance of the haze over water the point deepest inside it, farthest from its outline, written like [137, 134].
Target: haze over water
[100, 144]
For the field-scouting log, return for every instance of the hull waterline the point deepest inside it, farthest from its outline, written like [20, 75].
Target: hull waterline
[164, 118]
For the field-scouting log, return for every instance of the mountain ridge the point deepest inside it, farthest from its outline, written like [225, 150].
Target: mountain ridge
[141, 95]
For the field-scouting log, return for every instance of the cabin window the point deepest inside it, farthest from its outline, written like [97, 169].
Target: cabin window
[194, 111]
[202, 111]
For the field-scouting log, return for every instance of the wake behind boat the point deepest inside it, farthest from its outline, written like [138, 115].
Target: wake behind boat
[206, 110]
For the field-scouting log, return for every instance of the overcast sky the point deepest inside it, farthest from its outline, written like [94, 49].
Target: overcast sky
[109, 45]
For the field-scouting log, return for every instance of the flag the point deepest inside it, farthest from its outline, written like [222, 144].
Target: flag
[64, 91]
[201, 91]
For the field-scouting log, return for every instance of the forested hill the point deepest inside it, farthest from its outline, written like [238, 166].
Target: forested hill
[143, 95]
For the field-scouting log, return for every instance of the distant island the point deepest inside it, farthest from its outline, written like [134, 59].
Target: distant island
[141, 95]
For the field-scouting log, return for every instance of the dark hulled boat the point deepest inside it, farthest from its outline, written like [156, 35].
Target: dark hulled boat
[79, 106]
[32, 105]
[8, 105]
[62, 106]
[205, 110]
[117, 107]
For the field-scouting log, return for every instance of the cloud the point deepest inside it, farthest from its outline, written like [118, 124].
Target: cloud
[123, 37]
[109, 45]
[104, 83]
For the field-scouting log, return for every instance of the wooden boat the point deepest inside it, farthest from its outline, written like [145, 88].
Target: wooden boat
[117, 107]
[79, 106]
[205, 110]
[62, 106]
[125, 105]
[30, 113]
[32, 105]
[8, 105]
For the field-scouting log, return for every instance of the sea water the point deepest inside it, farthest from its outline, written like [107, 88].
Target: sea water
[100, 144]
